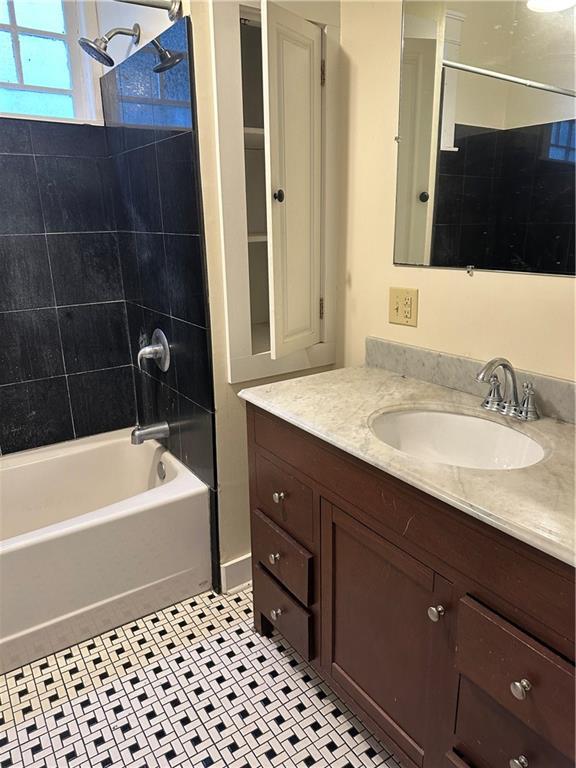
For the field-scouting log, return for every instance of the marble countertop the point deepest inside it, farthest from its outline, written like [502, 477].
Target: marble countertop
[534, 504]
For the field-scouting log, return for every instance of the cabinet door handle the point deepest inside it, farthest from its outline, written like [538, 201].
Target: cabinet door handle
[435, 612]
[275, 613]
[520, 688]
[279, 195]
[519, 762]
[273, 558]
[278, 496]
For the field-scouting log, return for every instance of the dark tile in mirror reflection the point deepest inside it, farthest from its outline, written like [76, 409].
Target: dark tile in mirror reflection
[178, 187]
[25, 281]
[77, 194]
[20, 211]
[548, 247]
[102, 400]
[33, 414]
[145, 196]
[186, 278]
[94, 336]
[85, 267]
[152, 269]
[553, 198]
[196, 436]
[30, 346]
[193, 363]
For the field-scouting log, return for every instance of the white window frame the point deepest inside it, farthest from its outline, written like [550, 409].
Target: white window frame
[80, 20]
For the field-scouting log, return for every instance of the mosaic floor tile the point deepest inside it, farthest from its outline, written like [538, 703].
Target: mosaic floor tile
[191, 685]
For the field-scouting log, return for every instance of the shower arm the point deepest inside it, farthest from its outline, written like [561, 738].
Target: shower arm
[121, 31]
[173, 7]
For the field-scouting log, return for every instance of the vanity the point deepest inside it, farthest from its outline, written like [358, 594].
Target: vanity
[436, 600]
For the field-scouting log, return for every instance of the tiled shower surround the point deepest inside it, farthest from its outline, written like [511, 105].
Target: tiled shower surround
[191, 685]
[65, 368]
[101, 241]
[505, 199]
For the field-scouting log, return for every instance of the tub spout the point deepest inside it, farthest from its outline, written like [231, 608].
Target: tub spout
[158, 431]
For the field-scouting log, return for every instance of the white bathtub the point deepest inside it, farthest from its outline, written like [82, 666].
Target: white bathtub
[91, 537]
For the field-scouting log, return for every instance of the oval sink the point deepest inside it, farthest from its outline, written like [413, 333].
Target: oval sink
[457, 439]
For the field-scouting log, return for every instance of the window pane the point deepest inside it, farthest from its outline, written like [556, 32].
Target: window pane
[7, 64]
[4, 17]
[44, 61]
[40, 14]
[35, 103]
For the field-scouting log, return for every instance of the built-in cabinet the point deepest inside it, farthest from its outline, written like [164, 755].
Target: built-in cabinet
[276, 130]
[452, 641]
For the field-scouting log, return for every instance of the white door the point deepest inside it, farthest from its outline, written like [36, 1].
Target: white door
[416, 152]
[292, 57]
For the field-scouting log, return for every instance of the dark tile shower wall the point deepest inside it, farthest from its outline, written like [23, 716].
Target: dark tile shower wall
[150, 119]
[65, 364]
[502, 201]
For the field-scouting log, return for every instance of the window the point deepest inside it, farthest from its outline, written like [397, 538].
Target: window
[38, 60]
[562, 141]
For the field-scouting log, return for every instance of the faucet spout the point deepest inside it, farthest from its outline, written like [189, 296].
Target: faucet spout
[159, 431]
[509, 405]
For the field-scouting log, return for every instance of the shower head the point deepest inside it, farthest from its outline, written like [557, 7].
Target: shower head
[167, 59]
[98, 48]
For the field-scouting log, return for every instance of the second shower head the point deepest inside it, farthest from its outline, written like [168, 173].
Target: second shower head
[97, 48]
[167, 58]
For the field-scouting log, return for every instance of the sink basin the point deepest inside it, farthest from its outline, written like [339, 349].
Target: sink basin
[457, 439]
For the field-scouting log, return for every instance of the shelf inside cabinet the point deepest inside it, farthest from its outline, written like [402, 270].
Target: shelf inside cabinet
[254, 138]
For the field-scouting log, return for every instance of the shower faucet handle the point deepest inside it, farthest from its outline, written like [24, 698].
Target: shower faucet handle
[158, 350]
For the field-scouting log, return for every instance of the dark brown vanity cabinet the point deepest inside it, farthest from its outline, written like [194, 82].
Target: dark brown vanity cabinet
[452, 641]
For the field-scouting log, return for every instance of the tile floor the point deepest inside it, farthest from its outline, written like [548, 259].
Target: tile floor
[191, 685]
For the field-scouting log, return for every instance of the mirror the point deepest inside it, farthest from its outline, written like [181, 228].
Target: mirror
[486, 139]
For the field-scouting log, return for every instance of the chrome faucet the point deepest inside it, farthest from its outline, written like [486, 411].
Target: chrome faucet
[158, 431]
[507, 404]
[158, 350]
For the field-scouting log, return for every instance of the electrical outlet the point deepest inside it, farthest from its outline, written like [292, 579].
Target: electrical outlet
[403, 306]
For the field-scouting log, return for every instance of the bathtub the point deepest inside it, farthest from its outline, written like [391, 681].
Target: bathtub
[94, 533]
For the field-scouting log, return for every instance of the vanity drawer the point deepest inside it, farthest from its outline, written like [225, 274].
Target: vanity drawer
[495, 654]
[487, 736]
[288, 616]
[284, 499]
[451, 760]
[290, 563]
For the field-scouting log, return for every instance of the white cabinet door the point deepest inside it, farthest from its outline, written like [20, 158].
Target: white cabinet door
[292, 53]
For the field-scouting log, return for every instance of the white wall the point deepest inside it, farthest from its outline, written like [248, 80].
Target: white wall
[528, 318]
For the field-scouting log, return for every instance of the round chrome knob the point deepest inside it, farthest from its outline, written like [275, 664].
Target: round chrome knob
[435, 612]
[519, 762]
[278, 496]
[273, 558]
[275, 613]
[520, 688]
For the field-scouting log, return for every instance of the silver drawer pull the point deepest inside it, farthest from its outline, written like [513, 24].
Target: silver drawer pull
[275, 613]
[520, 688]
[278, 496]
[273, 558]
[519, 762]
[435, 612]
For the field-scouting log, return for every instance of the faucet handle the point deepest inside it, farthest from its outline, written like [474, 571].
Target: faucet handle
[158, 350]
[527, 410]
[494, 397]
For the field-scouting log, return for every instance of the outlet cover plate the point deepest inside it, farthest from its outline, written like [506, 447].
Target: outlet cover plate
[403, 306]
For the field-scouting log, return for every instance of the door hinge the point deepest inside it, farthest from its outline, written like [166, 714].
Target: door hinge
[321, 309]
[323, 72]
